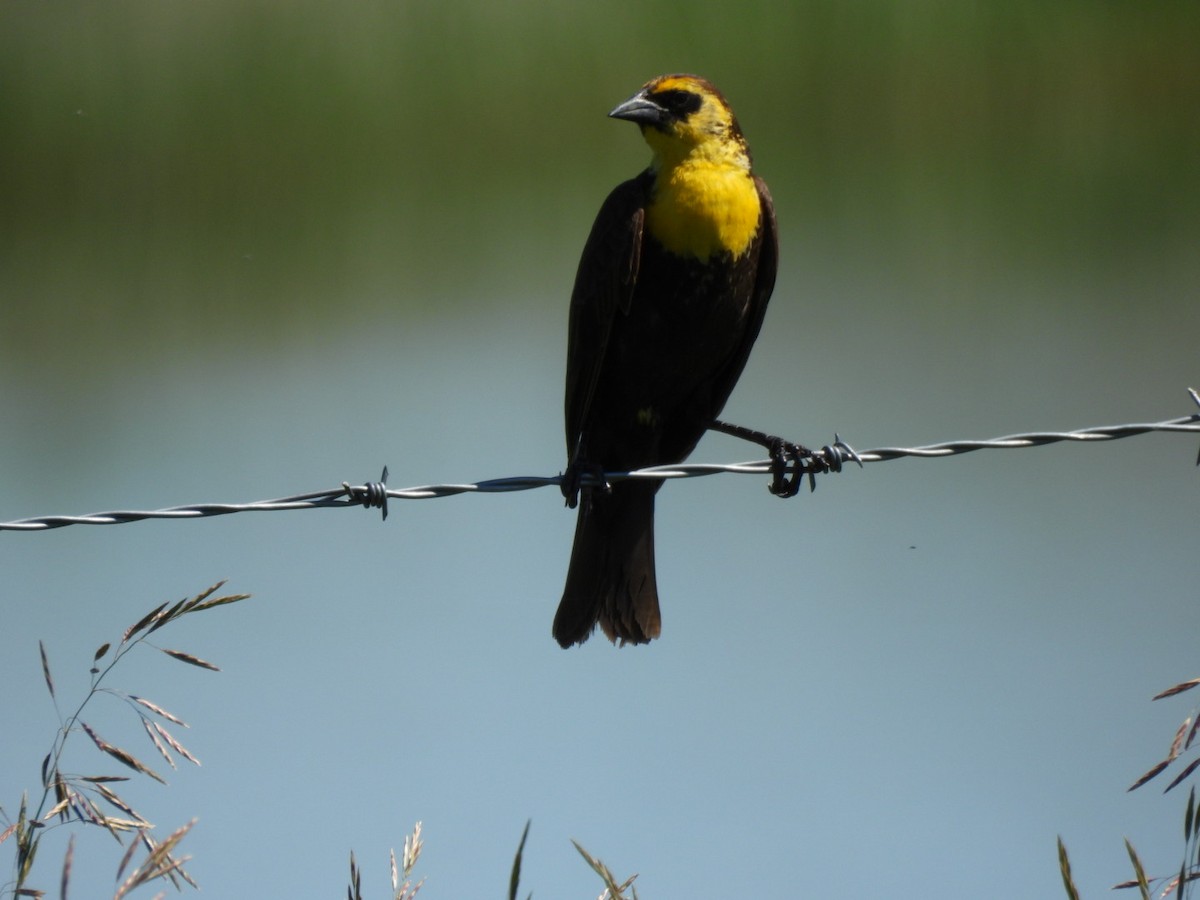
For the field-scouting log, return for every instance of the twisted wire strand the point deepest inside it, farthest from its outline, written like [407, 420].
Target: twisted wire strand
[831, 458]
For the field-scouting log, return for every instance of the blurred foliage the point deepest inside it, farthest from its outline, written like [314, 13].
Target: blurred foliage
[170, 166]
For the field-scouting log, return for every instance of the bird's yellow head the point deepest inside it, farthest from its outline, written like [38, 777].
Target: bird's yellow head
[684, 116]
[705, 200]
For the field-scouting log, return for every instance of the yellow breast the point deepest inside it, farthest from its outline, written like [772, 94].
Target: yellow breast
[701, 207]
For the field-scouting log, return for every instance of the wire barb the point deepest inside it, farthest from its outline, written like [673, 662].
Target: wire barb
[838, 452]
[830, 458]
[372, 495]
[1196, 400]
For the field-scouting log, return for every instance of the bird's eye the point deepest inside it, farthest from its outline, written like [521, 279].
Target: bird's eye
[678, 103]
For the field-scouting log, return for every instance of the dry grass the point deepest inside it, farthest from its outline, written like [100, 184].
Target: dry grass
[1179, 883]
[73, 800]
[612, 890]
[402, 874]
[404, 889]
[91, 800]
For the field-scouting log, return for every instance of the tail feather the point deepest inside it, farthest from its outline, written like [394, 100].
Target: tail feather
[611, 577]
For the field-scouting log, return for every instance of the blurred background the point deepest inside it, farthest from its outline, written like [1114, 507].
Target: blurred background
[249, 250]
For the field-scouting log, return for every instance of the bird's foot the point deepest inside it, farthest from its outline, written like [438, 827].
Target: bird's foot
[791, 462]
[582, 477]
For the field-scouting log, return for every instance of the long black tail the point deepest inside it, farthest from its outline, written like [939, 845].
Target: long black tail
[611, 578]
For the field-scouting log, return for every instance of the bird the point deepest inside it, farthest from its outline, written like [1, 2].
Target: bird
[668, 299]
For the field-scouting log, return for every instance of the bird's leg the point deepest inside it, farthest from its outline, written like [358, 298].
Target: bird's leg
[789, 461]
[580, 470]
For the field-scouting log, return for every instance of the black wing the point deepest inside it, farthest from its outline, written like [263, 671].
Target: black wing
[604, 286]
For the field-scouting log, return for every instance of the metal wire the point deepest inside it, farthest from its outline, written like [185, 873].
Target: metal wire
[831, 458]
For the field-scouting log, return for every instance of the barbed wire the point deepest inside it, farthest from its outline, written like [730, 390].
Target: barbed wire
[829, 459]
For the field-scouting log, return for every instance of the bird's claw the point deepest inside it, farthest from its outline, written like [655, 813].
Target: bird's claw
[572, 481]
[789, 464]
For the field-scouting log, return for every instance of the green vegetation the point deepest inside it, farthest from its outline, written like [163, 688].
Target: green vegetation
[168, 166]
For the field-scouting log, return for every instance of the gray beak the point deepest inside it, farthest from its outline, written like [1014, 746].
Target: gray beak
[639, 108]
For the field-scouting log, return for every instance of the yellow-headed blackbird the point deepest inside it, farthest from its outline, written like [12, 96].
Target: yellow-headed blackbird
[669, 297]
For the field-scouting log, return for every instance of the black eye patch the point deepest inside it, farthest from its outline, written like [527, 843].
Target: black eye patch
[678, 103]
